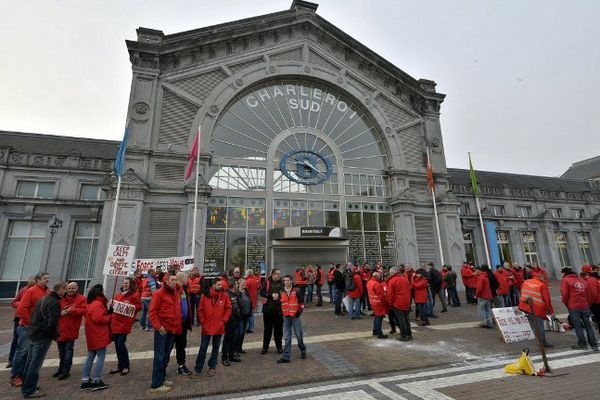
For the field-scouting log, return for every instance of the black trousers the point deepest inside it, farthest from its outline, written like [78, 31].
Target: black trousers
[403, 322]
[180, 342]
[319, 295]
[273, 327]
[393, 321]
[230, 338]
[242, 326]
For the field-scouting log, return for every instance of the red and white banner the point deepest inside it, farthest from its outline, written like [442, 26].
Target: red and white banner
[184, 263]
[119, 260]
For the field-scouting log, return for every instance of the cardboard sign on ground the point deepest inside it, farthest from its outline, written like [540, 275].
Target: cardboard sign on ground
[513, 324]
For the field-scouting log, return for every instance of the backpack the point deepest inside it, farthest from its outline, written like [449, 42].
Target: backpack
[349, 280]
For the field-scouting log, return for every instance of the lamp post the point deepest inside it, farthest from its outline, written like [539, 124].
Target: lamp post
[52, 228]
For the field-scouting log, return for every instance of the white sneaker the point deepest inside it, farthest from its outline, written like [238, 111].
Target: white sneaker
[160, 390]
[168, 383]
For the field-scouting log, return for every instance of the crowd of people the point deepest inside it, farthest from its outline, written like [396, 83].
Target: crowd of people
[173, 302]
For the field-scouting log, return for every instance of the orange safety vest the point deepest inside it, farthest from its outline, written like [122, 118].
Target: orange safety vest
[299, 279]
[289, 304]
[531, 288]
[374, 298]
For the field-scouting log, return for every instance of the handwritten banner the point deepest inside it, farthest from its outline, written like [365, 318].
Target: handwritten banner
[122, 308]
[513, 324]
[184, 263]
[119, 260]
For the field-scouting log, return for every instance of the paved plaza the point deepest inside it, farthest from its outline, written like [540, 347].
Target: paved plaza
[451, 359]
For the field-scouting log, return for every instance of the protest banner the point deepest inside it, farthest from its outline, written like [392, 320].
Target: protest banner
[119, 260]
[122, 308]
[185, 263]
[211, 269]
[513, 324]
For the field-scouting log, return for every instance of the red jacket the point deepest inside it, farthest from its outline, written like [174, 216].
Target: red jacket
[377, 297]
[28, 302]
[503, 281]
[300, 277]
[539, 271]
[165, 309]
[195, 284]
[97, 324]
[358, 287]
[575, 292]
[15, 303]
[519, 277]
[594, 285]
[139, 281]
[399, 292]
[252, 286]
[121, 323]
[538, 291]
[68, 325]
[443, 274]
[419, 285]
[468, 276]
[214, 311]
[146, 288]
[224, 283]
[482, 288]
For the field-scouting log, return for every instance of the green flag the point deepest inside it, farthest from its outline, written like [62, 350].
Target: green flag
[473, 177]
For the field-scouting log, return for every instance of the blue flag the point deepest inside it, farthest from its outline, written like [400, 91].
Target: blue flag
[120, 161]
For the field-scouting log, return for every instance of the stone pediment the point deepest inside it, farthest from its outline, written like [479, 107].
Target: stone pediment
[130, 179]
[234, 46]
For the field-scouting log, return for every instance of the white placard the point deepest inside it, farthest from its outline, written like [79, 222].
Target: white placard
[185, 263]
[119, 260]
[122, 308]
[513, 324]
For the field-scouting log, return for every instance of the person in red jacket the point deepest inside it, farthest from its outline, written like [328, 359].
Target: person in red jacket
[319, 282]
[120, 325]
[24, 311]
[536, 270]
[593, 280]
[224, 281]
[14, 304]
[578, 297]
[515, 289]
[503, 275]
[469, 280]
[379, 303]
[165, 317]
[194, 292]
[399, 296]
[419, 286]
[536, 289]
[301, 282]
[483, 294]
[252, 287]
[97, 337]
[150, 285]
[352, 299]
[72, 307]
[214, 312]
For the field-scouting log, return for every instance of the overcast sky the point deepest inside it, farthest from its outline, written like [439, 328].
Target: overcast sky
[521, 77]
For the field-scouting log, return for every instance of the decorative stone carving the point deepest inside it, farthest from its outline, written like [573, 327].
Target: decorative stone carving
[239, 82]
[341, 81]
[388, 131]
[213, 110]
[307, 69]
[271, 69]
[141, 108]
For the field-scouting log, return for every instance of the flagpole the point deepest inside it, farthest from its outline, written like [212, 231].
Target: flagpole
[196, 199]
[113, 222]
[476, 193]
[437, 222]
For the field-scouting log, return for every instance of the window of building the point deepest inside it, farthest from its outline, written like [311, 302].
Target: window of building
[237, 177]
[83, 254]
[91, 192]
[523, 211]
[23, 254]
[469, 247]
[583, 240]
[562, 248]
[556, 212]
[502, 237]
[365, 185]
[370, 233]
[529, 247]
[497, 210]
[36, 190]
[464, 209]
[578, 213]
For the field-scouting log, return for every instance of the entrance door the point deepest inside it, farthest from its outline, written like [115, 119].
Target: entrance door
[288, 259]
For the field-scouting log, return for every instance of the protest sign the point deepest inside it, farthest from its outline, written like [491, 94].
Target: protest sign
[119, 260]
[122, 308]
[513, 324]
[185, 263]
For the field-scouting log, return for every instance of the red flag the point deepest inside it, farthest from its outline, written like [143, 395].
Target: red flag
[192, 157]
[429, 172]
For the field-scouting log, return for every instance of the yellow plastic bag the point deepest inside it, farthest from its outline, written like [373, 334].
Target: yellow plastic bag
[522, 366]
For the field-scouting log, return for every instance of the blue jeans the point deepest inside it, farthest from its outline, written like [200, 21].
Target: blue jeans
[14, 342]
[194, 301]
[338, 301]
[377, 323]
[18, 362]
[353, 306]
[35, 358]
[484, 307]
[540, 322]
[430, 303]
[309, 295]
[121, 350]
[99, 355]
[145, 320]
[581, 320]
[288, 324]
[65, 353]
[214, 355]
[331, 293]
[251, 322]
[163, 344]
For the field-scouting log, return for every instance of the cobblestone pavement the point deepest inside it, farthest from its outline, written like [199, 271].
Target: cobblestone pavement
[337, 348]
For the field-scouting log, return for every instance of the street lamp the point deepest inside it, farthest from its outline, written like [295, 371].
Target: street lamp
[53, 228]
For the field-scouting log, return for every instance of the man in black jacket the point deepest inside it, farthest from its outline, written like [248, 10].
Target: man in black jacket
[43, 328]
[272, 315]
[435, 285]
[232, 325]
[340, 287]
